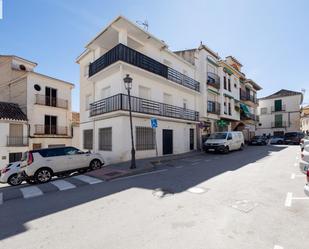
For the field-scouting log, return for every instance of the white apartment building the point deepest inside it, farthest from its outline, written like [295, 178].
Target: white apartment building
[46, 101]
[280, 113]
[165, 86]
[13, 130]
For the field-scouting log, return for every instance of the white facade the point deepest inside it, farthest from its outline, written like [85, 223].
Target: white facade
[279, 118]
[45, 100]
[305, 120]
[154, 95]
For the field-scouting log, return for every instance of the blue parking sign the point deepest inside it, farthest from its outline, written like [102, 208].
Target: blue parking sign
[154, 122]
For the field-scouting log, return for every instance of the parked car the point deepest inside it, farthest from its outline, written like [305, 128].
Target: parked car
[293, 137]
[259, 140]
[10, 174]
[277, 140]
[306, 187]
[304, 160]
[224, 142]
[303, 142]
[41, 165]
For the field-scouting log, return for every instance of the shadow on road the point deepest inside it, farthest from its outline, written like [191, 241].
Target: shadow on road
[15, 214]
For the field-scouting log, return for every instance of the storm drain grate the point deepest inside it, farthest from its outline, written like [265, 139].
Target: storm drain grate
[161, 192]
[245, 206]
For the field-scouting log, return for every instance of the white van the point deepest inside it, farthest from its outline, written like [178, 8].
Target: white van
[225, 141]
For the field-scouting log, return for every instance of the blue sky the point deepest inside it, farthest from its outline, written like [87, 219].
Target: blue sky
[270, 38]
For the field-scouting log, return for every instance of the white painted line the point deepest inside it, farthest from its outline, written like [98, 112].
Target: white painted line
[63, 185]
[1, 198]
[196, 163]
[300, 198]
[293, 176]
[278, 247]
[148, 173]
[88, 179]
[288, 200]
[31, 191]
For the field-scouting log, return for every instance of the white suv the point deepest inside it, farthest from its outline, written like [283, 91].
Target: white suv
[40, 166]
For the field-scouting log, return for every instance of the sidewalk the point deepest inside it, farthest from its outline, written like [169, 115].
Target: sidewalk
[122, 169]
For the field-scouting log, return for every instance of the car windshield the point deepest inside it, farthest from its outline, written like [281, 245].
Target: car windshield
[290, 134]
[218, 135]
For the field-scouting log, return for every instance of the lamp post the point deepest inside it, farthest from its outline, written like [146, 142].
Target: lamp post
[128, 85]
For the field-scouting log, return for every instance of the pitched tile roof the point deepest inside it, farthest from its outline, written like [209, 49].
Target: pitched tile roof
[282, 93]
[11, 111]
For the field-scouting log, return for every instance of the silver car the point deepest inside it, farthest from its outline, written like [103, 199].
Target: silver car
[10, 174]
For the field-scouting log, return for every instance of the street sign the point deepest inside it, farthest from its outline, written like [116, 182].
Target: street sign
[154, 122]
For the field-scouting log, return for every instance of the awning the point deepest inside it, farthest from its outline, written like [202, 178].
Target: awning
[227, 70]
[212, 91]
[245, 109]
[229, 96]
[212, 62]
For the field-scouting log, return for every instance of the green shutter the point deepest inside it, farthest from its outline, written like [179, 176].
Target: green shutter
[278, 105]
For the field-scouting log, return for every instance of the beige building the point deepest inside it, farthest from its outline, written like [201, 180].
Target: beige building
[305, 120]
[46, 101]
[280, 113]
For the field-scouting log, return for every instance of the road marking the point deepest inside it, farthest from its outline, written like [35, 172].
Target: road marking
[207, 160]
[288, 200]
[293, 176]
[88, 179]
[196, 163]
[32, 191]
[63, 185]
[1, 198]
[179, 167]
[278, 247]
[148, 173]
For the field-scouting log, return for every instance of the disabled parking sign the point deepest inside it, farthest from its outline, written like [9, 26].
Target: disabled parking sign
[154, 123]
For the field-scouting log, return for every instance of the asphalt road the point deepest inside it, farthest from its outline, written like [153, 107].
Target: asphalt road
[249, 199]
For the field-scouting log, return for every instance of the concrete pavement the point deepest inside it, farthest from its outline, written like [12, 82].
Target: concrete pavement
[215, 201]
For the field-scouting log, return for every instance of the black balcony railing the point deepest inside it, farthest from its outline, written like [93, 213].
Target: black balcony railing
[17, 141]
[281, 108]
[278, 124]
[133, 57]
[247, 97]
[50, 130]
[213, 107]
[249, 116]
[213, 80]
[120, 102]
[51, 101]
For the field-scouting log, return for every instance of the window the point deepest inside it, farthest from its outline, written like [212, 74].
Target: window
[87, 102]
[224, 82]
[230, 109]
[264, 110]
[106, 92]
[144, 92]
[50, 96]
[210, 106]
[229, 136]
[225, 108]
[70, 151]
[145, 138]
[185, 104]
[105, 139]
[14, 157]
[55, 152]
[88, 139]
[229, 84]
[50, 125]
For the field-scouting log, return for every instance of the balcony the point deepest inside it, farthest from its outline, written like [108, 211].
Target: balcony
[19, 141]
[281, 108]
[213, 80]
[119, 102]
[50, 101]
[123, 53]
[278, 124]
[249, 116]
[213, 107]
[247, 97]
[50, 130]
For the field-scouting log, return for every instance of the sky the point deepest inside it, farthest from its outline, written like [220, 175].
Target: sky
[270, 38]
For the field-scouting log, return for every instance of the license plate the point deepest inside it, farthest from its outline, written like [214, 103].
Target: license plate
[211, 149]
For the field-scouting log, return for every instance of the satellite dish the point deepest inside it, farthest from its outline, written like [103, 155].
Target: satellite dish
[144, 24]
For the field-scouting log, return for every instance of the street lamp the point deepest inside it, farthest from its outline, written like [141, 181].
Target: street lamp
[128, 85]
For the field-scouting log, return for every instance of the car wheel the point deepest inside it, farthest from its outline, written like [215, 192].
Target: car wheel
[95, 164]
[226, 150]
[43, 175]
[242, 147]
[15, 180]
